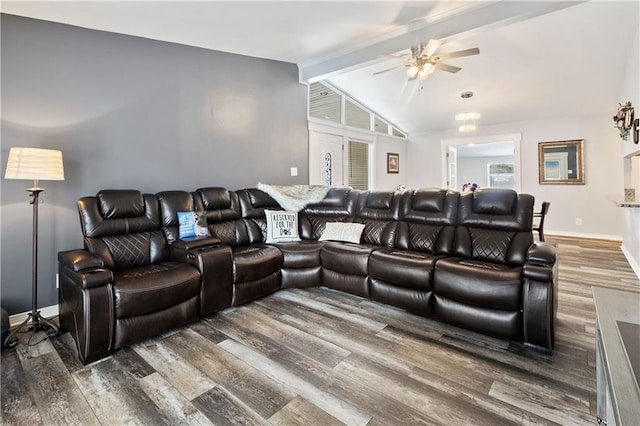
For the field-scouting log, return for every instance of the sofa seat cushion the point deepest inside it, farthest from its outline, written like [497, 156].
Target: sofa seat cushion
[142, 290]
[504, 324]
[303, 254]
[347, 258]
[478, 283]
[404, 268]
[255, 261]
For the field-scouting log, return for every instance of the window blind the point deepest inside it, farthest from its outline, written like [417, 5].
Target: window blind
[358, 165]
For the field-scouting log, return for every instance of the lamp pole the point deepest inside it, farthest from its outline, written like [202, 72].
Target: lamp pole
[38, 322]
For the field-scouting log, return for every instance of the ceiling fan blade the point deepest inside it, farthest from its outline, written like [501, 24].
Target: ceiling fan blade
[445, 67]
[389, 69]
[459, 53]
[430, 48]
[396, 56]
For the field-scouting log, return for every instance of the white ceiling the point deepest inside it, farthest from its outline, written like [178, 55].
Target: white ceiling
[537, 59]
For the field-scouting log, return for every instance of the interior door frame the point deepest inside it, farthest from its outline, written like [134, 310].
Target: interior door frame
[515, 138]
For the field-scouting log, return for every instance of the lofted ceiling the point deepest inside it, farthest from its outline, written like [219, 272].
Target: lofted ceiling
[537, 59]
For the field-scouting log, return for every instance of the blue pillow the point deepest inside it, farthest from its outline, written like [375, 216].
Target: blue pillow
[192, 224]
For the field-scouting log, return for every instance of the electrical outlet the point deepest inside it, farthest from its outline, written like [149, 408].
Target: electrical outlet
[578, 221]
[294, 171]
[57, 281]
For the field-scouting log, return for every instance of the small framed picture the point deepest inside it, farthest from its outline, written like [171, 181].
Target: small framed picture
[393, 163]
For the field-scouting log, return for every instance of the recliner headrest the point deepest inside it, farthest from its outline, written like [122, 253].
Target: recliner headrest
[428, 200]
[118, 203]
[379, 200]
[494, 201]
[215, 198]
[260, 199]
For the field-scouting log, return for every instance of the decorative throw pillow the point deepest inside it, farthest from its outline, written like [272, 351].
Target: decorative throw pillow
[192, 224]
[342, 231]
[282, 226]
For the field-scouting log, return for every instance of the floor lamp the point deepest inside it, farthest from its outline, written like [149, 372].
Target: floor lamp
[34, 164]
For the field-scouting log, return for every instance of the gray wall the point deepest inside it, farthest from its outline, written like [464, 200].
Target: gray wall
[132, 113]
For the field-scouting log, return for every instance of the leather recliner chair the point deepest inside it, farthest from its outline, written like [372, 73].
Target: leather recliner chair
[123, 288]
[481, 286]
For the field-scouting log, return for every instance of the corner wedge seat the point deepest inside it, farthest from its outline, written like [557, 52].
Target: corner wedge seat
[345, 266]
[141, 294]
[403, 276]
[302, 266]
[481, 286]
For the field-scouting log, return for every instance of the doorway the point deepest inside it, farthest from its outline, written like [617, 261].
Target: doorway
[487, 161]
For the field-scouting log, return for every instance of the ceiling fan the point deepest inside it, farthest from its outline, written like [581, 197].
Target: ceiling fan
[424, 62]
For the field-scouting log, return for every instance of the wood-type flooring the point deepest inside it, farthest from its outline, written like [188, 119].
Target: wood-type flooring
[322, 357]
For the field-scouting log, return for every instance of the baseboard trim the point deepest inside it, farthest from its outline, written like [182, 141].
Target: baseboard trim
[631, 260]
[581, 235]
[47, 312]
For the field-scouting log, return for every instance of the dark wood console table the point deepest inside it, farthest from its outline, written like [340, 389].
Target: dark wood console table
[617, 356]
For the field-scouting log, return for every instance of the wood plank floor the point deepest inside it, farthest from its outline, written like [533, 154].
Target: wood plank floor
[321, 357]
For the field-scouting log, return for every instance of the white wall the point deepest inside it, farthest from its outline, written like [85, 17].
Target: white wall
[630, 91]
[384, 145]
[379, 146]
[593, 202]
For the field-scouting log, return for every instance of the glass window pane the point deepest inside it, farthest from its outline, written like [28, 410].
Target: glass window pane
[356, 116]
[324, 103]
[380, 126]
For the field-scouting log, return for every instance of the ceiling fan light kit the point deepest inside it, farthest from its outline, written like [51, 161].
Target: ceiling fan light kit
[423, 62]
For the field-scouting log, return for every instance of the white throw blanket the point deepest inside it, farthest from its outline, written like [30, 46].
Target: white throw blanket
[295, 197]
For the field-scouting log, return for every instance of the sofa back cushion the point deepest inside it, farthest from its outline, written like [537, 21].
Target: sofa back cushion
[494, 225]
[253, 203]
[172, 202]
[337, 206]
[123, 227]
[427, 220]
[224, 218]
[378, 210]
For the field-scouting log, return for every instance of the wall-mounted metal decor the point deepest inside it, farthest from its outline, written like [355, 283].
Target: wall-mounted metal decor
[561, 163]
[327, 169]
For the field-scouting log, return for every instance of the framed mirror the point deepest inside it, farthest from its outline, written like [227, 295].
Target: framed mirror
[561, 163]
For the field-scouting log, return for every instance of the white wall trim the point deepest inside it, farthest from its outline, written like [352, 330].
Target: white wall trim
[47, 312]
[631, 260]
[582, 235]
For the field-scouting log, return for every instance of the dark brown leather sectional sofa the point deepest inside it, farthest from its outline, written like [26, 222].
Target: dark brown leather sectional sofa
[465, 259]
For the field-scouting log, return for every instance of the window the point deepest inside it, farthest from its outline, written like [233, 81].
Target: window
[396, 132]
[358, 165]
[356, 116]
[501, 175]
[324, 103]
[380, 126]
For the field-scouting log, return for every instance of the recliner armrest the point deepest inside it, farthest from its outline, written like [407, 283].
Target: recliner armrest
[79, 260]
[84, 269]
[540, 264]
[541, 252]
[540, 296]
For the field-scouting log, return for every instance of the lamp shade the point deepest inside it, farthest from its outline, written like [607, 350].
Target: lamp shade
[34, 164]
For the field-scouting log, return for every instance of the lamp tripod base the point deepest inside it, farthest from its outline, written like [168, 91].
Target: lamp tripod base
[37, 323]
